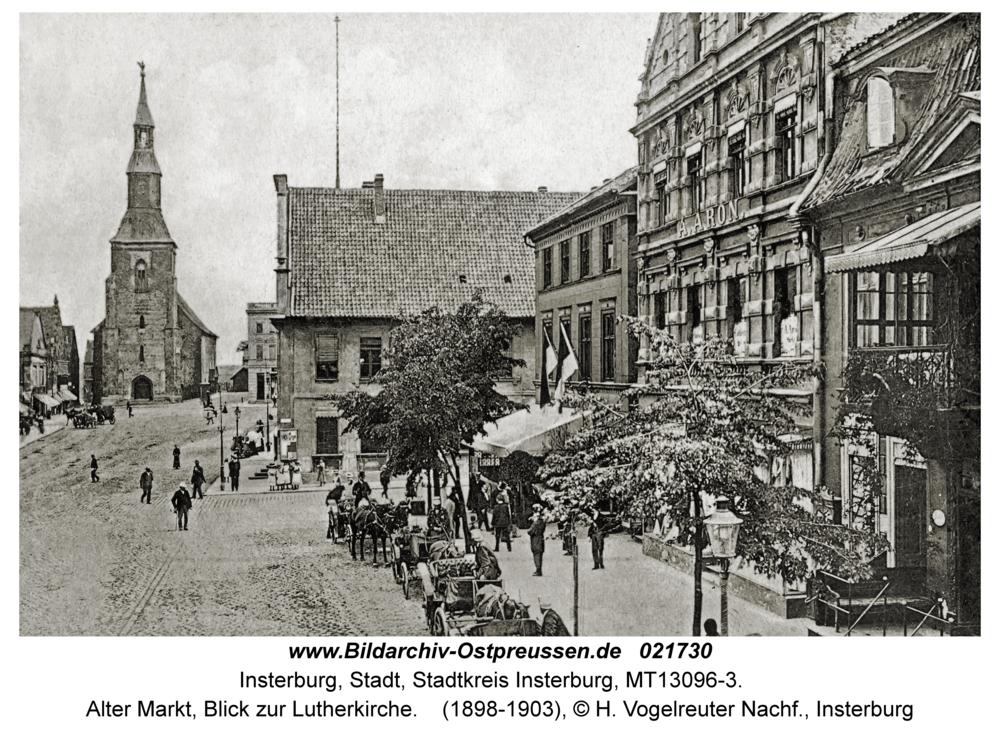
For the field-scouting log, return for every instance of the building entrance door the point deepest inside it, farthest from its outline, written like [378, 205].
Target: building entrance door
[910, 497]
[142, 388]
[260, 387]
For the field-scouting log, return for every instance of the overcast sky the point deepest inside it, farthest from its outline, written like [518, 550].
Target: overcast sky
[508, 102]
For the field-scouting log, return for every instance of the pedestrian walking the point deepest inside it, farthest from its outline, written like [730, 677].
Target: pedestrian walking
[234, 472]
[596, 534]
[181, 502]
[459, 521]
[321, 472]
[177, 458]
[209, 415]
[94, 478]
[128, 407]
[537, 535]
[197, 481]
[146, 484]
[335, 494]
[501, 522]
[384, 477]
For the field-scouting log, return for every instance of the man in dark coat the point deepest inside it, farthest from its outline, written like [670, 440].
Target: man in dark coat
[197, 481]
[501, 522]
[334, 495]
[596, 534]
[487, 567]
[537, 534]
[552, 623]
[146, 484]
[128, 407]
[234, 472]
[177, 457]
[181, 502]
[478, 502]
[361, 489]
[384, 477]
[94, 478]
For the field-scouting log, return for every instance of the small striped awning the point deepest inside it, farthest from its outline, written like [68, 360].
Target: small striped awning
[912, 241]
[49, 401]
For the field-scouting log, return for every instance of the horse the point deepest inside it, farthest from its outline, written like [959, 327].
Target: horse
[370, 520]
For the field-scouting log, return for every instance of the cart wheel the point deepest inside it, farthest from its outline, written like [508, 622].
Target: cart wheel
[439, 625]
[406, 581]
[397, 572]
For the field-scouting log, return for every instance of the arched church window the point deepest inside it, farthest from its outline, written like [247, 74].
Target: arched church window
[142, 321]
[142, 354]
[141, 282]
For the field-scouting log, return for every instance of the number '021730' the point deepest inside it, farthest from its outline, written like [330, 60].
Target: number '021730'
[675, 650]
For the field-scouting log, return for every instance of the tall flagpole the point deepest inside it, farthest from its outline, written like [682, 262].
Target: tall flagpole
[337, 21]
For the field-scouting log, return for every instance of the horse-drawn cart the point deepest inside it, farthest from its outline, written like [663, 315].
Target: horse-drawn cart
[409, 548]
[459, 604]
[81, 418]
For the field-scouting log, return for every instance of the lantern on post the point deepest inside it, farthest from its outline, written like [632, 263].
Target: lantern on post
[723, 530]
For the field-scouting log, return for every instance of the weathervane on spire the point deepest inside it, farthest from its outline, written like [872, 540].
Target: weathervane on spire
[142, 68]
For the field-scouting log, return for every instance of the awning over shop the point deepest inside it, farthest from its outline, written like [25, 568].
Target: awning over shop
[66, 395]
[529, 430]
[47, 400]
[912, 241]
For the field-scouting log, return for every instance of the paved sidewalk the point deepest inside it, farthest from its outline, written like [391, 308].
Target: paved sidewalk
[51, 427]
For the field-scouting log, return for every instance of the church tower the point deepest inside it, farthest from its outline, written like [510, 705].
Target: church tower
[142, 345]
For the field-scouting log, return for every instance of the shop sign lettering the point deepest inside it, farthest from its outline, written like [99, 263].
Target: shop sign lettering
[712, 217]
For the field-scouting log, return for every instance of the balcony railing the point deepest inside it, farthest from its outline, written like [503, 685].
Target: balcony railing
[936, 370]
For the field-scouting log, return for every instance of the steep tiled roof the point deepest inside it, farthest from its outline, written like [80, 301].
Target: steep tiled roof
[953, 53]
[192, 316]
[622, 182]
[27, 324]
[345, 265]
[52, 324]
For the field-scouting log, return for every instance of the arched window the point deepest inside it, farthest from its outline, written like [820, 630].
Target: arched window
[142, 354]
[141, 283]
[881, 117]
[142, 321]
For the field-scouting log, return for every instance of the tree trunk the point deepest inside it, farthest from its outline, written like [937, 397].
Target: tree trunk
[461, 500]
[696, 616]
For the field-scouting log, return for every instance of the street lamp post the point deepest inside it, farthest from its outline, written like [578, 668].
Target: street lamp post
[236, 413]
[723, 530]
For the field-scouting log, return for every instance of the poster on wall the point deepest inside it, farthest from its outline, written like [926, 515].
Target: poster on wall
[288, 440]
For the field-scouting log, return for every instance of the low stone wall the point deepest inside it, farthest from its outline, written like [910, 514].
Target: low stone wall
[785, 604]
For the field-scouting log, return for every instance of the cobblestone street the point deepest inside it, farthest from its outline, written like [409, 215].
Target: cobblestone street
[93, 561]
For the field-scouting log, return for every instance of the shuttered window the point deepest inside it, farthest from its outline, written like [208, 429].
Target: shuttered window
[327, 357]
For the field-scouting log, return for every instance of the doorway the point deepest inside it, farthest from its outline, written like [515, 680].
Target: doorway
[260, 387]
[142, 388]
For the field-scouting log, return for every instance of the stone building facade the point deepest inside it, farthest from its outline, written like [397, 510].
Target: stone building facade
[151, 344]
[352, 261]
[585, 279]
[261, 356]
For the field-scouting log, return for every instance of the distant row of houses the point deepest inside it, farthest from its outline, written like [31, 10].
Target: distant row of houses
[49, 361]
[807, 186]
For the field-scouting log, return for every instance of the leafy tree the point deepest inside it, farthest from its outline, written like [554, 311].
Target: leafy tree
[700, 428]
[438, 388]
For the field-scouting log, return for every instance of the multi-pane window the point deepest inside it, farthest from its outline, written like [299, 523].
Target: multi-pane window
[784, 131]
[696, 182]
[741, 21]
[662, 204]
[584, 254]
[546, 268]
[739, 164]
[607, 346]
[698, 35]
[141, 282]
[371, 356]
[586, 348]
[327, 436]
[260, 352]
[327, 357]
[607, 246]
[893, 309]
[881, 121]
[564, 262]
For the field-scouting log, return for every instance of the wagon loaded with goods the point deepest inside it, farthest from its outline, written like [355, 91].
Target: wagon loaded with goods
[457, 603]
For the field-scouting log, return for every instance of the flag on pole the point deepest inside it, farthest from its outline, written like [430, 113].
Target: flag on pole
[567, 362]
[548, 363]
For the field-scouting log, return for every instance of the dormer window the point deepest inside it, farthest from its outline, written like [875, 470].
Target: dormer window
[141, 284]
[881, 113]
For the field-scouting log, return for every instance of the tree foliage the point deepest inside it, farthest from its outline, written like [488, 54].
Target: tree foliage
[703, 427]
[438, 387]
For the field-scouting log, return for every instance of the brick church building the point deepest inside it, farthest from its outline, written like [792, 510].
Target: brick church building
[151, 344]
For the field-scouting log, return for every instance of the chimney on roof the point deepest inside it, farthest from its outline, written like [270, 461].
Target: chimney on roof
[367, 185]
[543, 190]
[379, 201]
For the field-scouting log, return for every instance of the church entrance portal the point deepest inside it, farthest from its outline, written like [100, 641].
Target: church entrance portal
[142, 388]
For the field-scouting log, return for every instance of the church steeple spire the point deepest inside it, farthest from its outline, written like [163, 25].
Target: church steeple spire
[143, 220]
